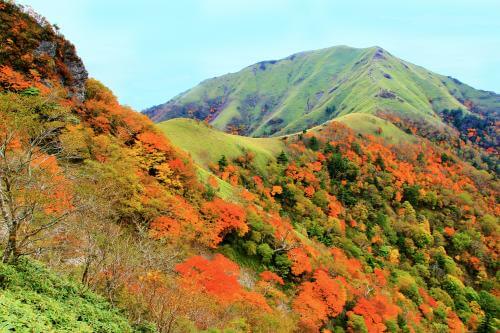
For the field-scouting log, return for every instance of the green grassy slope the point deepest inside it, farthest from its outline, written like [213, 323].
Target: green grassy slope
[288, 95]
[207, 145]
[32, 299]
[369, 124]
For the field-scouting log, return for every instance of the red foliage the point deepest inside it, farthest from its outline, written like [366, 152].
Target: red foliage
[164, 226]
[319, 300]
[300, 261]
[222, 218]
[218, 277]
[271, 277]
[375, 311]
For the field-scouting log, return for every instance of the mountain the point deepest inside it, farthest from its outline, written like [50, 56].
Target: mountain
[111, 223]
[309, 88]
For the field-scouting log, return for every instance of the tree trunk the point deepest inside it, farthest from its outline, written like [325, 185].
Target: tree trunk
[10, 253]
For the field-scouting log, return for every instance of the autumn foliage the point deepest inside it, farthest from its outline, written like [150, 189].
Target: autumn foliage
[222, 218]
[219, 278]
[319, 300]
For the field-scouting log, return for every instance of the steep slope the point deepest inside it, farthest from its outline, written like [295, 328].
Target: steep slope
[29, 44]
[309, 88]
[28, 287]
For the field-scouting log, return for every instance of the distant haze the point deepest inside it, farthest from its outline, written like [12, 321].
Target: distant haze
[149, 51]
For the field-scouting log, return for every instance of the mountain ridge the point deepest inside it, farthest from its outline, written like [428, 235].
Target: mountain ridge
[306, 89]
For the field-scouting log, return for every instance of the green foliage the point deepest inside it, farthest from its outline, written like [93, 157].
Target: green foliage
[222, 162]
[31, 91]
[411, 194]
[265, 251]
[357, 323]
[36, 300]
[206, 145]
[461, 241]
[282, 158]
[341, 168]
[313, 143]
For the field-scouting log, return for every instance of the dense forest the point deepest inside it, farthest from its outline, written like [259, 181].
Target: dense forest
[106, 226]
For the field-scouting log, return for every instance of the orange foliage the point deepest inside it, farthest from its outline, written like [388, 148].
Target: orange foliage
[218, 277]
[309, 191]
[57, 196]
[258, 182]
[164, 226]
[375, 311]
[351, 265]
[381, 276]
[334, 207]
[454, 323]
[276, 190]
[449, 231]
[154, 141]
[222, 218]
[212, 181]
[427, 298]
[300, 261]
[319, 300]
[12, 80]
[271, 277]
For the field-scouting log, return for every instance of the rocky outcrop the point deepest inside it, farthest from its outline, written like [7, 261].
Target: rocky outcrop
[39, 48]
[78, 74]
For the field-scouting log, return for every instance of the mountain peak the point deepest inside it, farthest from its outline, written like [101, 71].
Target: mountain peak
[306, 89]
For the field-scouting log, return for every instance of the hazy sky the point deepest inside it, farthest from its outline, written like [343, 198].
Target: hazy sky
[148, 51]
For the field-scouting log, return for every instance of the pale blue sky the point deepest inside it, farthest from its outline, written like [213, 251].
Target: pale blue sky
[148, 51]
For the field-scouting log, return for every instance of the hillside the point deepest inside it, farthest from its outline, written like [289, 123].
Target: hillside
[207, 145]
[32, 299]
[360, 224]
[306, 89]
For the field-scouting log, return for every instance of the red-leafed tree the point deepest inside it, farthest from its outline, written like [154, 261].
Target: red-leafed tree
[218, 277]
[271, 277]
[319, 300]
[222, 218]
[300, 261]
[375, 311]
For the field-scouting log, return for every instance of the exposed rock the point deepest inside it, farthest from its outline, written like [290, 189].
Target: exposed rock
[78, 74]
[46, 48]
[379, 54]
[384, 93]
[74, 64]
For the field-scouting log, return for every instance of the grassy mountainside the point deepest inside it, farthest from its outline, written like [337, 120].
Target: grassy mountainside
[207, 145]
[309, 88]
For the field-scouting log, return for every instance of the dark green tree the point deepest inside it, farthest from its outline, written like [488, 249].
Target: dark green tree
[314, 143]
[223, 162]
[282, 158]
